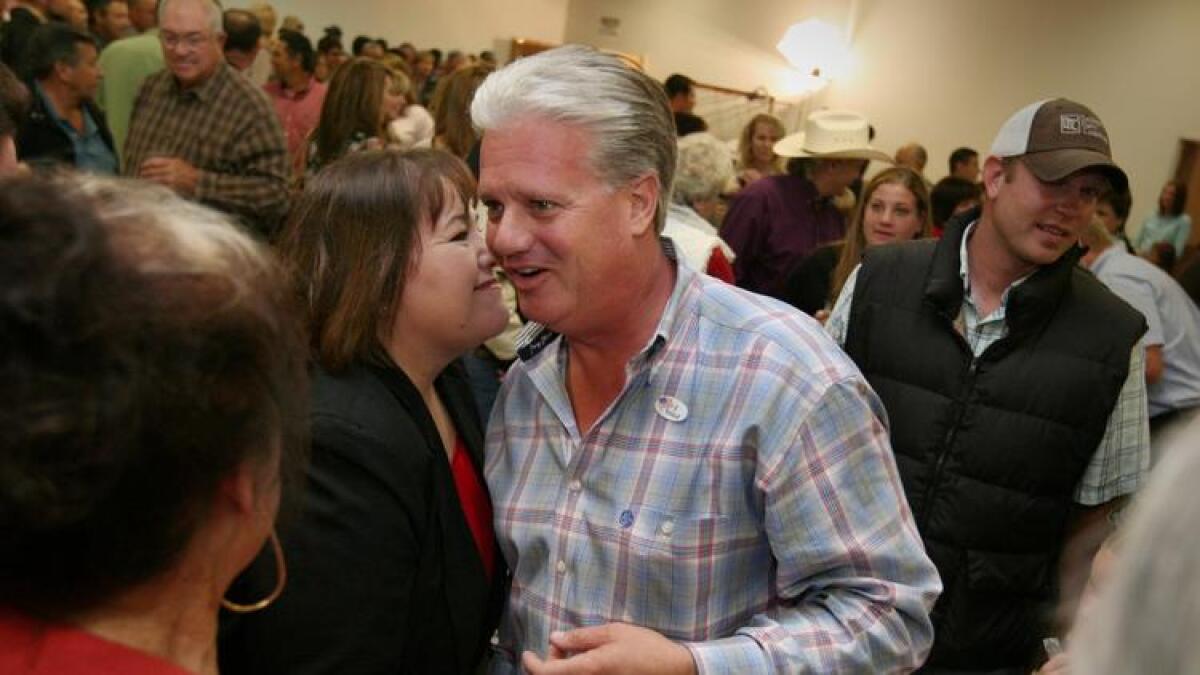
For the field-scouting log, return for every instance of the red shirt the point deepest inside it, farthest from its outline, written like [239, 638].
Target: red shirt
[32, 647]
[299, 112]
[476, 505]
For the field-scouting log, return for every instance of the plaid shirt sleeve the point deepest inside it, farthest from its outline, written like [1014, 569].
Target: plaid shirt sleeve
[1122, 461]
[854, 584]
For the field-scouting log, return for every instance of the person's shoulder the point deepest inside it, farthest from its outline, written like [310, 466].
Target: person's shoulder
[157, 82]
[357, 401]
[763, 187]
[757, 325]
[239, 87]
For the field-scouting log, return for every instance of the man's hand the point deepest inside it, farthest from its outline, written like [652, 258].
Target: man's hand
[611, 648]
[172, 172]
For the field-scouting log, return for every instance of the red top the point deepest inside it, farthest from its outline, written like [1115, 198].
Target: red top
[32, 647]
[476, 505]
[719, 267]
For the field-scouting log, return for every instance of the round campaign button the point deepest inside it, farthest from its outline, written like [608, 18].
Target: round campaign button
[671, 408]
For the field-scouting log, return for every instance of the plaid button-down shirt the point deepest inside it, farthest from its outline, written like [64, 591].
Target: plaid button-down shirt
[1122, 462]
[226, 128]
[739, 496]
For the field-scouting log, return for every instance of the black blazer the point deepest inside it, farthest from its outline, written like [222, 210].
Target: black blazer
[384, 575]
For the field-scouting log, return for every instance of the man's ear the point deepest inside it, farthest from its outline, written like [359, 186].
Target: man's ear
[62, 70]
[643, 203]
[993, 176]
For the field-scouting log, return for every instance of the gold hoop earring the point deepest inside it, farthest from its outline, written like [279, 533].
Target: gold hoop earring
[280, 582]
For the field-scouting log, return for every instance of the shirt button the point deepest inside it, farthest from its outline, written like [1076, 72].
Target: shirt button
[575, 486]
[667, 527]
[561, 567]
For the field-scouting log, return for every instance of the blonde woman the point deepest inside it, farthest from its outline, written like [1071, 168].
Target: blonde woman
[894, 207]
[756, 149]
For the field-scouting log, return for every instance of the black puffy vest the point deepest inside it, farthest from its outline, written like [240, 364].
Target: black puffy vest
[990, 449]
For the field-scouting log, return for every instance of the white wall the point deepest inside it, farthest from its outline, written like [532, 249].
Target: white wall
[947, 72]
[469, 25]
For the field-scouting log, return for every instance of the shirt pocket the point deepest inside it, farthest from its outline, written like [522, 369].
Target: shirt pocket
[671, 568]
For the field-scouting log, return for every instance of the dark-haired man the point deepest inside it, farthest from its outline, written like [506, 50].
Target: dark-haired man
[681, 93]
[24, 17]
[1113, 210]
[242, 33]
[203, 130]
[64, 125]
[296, 93]
[1013, 382]
[964, 164]
[108, 20]
[126, 64]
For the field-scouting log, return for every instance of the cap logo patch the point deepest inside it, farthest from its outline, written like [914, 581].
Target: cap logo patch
[1070, 124]
[1075, 124]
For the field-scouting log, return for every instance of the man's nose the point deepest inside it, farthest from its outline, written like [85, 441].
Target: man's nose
[507, 235]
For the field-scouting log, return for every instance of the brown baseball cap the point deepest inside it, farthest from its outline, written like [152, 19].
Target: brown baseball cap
[1057, 137]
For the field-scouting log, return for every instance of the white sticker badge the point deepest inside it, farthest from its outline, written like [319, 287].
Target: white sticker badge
[671, 408]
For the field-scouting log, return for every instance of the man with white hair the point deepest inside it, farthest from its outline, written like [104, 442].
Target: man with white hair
[203, 130]
[1013, 383]
[686, 477]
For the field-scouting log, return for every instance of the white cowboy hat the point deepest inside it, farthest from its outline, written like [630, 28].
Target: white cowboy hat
[837, 134]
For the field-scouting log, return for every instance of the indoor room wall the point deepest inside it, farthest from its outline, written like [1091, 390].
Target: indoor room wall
[469, 25]
[946, 72]
[941, 72]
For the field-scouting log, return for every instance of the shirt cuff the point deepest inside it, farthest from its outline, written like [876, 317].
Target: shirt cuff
[732, 655]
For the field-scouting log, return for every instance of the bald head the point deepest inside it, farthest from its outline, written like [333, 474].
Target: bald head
[912, 156]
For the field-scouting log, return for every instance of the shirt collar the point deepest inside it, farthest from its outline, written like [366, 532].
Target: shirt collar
[964, 270]
[89, 125]
[209, 87]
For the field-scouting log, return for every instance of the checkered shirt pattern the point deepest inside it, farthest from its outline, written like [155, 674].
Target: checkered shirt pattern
[739, 495]
[1122, 462]
[227, 128]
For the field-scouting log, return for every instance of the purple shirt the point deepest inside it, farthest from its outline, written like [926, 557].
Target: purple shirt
[774, 222]
[299, 112]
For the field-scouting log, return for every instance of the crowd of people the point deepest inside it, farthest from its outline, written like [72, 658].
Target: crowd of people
[319, 360]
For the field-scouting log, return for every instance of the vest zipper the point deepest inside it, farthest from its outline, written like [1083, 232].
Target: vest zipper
[944, 452]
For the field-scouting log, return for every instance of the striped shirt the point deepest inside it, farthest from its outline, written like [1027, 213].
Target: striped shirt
[226, 128]
[1121, 463]
[739, 496]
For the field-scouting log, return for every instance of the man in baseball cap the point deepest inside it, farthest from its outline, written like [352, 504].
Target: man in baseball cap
[1013, 383]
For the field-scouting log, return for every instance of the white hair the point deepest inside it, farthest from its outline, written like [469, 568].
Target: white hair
[158, 232]
[705, 168]
[625, 111]
[215, 14]
[1147, 619]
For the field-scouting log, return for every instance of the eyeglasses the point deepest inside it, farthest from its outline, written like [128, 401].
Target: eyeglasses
[191, 41]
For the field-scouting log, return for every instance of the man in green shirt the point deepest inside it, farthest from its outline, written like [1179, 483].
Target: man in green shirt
[125, 64]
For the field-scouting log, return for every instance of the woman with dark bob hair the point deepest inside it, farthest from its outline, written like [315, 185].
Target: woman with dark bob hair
[152, 398]
[395, 567]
